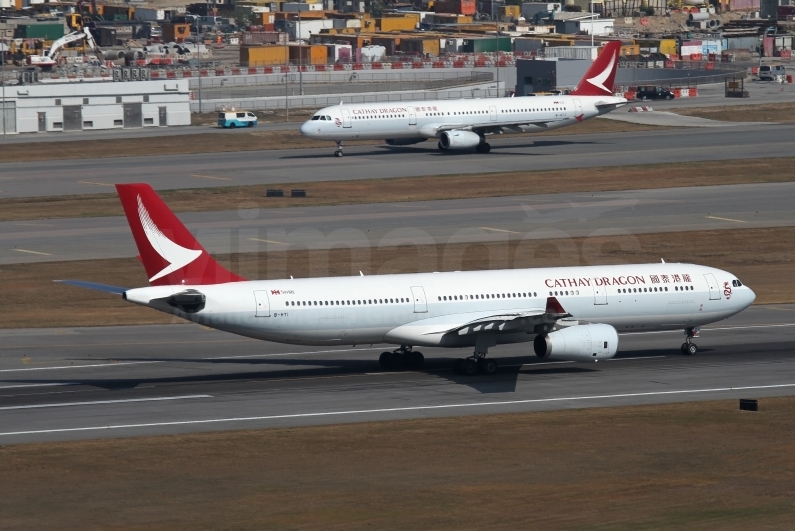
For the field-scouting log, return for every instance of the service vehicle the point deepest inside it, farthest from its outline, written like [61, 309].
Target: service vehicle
[771, 72]
[654, 93]
[232, 119]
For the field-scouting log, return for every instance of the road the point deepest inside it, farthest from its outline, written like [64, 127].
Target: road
[376, 225]
[63, 384]
[510, 153]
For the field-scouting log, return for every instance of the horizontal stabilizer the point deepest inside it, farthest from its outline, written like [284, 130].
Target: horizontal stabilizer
[93, 285]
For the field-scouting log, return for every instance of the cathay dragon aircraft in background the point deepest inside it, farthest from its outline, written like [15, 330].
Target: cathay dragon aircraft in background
[464, 124]
[569, 313]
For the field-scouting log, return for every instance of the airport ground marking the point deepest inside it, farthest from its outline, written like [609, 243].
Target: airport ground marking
[500, 230]
[321, 414]
[30, 252]
[19, 223]
[726, 219]
[82, 366]
[267, 241]
[211, 177]
[95, 183]
[101, 402]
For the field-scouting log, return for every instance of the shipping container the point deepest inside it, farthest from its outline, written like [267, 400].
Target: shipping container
[149, 13]
[459, 7]
[488, 44]
[396, 23]
[507, 13]
[175, 32]
[316, 54]
[48, 32]
[263, 19]
[572, 52]
[668, 47]
[263, 55]
[255, 38]
[415, 46]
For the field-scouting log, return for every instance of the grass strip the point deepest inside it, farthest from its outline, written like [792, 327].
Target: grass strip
[761, 258]
[428, 188]
[766, 112]
[695, 465]
[222, 141]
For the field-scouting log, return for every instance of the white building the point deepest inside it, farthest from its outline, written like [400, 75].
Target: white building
[587, 23]
[80, 106]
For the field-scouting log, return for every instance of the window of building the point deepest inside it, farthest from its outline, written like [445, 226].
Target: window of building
[58, 102]
[85, 101]
[118, 99]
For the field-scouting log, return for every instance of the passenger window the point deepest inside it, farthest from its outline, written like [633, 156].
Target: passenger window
[241, 115]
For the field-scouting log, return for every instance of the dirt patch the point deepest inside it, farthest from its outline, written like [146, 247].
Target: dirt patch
[427, 188]
[761, 258]
[698, 465]
[221, 141]
[772, 112]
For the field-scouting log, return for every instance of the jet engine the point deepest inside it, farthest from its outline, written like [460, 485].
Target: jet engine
[458, 140]
[578, 343]
[404, 141]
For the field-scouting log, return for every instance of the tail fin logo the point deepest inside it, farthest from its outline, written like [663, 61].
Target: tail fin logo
[599, 81]
[176, 255]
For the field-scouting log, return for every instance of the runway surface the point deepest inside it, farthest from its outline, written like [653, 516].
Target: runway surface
[63, 384]
[509, 153]
[378, 225]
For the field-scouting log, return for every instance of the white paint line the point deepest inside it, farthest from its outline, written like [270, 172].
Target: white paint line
[34, 385]
[500, 230]
[211, 177]
[708, 329]
[267, 241]
[30, 252]
[310, 352]
[95, 183]
[635, 358]
[726, 219]
[81, 366]
[99, 402]
[394, 409]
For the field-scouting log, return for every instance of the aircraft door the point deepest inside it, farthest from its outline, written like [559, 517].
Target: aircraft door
[412, 116]
[493, 113]
[600, 295]
[714, 290]
[346, 118]
[577, 108]
[263, 306]
[420, 303]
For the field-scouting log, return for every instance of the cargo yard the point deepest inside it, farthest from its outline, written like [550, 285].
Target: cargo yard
[117, 416]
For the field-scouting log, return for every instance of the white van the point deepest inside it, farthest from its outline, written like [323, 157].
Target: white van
[771, 73]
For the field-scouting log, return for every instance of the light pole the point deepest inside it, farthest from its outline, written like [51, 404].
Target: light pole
[286, 74]
[497, 52]
[3, 47]
[199, 60]
[300, 53]
[590, 4]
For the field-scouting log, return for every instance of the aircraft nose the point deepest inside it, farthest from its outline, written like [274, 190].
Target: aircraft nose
[306, 128]
[751, 296]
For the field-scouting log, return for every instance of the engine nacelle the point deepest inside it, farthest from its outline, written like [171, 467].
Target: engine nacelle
[458, 140]
[404, 141]
[591, 342]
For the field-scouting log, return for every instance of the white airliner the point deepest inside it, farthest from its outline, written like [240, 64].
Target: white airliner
[464, 124]
[569, 313]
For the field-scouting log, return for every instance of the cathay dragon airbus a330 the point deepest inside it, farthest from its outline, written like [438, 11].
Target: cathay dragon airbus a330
[464, 124]
[568, 313]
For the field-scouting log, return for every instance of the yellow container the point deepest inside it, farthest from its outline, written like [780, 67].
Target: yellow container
[263, 55]
[509, 12]
[630, 49]
[309, 55]
[668, 46]
[396, 23]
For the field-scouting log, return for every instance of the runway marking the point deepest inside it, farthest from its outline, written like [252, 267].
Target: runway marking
[31, 252]
[32, 224]
[267, 241]
[95, 184]
[82, 366]
[726, 219]
[396, 409]
[636, 358]
[708, 329]
[35, 385]
[292, 353]
[501, 230]
[96, 402]
[211, 177]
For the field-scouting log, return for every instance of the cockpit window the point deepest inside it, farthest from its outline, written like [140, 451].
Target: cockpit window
[323, 118]
[328, 118]
[316, 117]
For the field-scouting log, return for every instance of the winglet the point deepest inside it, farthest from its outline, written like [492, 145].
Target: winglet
[599, 79]
[169, 252]
[554, 307]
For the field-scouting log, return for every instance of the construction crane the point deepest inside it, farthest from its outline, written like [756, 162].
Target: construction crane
[50, 57]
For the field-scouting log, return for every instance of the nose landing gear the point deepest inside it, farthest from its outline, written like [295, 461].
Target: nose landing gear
[688, 347]
[338, 152]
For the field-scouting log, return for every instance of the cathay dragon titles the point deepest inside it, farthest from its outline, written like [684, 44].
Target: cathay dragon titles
[568, 313]
[464, 124]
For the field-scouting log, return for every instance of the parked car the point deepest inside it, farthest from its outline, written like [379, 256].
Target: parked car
[653, 93]
[232, 119]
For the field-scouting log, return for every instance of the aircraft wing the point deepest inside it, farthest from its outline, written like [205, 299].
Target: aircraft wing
[435, 129]
[431, 331]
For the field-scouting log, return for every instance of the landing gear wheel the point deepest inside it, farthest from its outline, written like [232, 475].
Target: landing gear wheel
[683, 348]
[385, 360]
[691, 349]
[487, 366]
[484, 148]
[457, 366]
[415, 359]
[469, 367]
[338, 153]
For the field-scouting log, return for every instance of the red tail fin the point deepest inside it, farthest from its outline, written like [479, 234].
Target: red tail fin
[169, 252]
[599, 79]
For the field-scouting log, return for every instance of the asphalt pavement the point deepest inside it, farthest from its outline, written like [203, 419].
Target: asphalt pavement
[255, 229]
[509, 153]
[81, 383]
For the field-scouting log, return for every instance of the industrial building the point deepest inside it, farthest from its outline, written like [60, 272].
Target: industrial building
[78, 106]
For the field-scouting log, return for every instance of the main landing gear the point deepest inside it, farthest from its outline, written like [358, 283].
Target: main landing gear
[476, 363]
[400, 358]
[483, 147]
[688, 347]
[338, 152]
